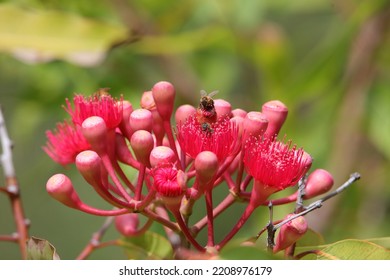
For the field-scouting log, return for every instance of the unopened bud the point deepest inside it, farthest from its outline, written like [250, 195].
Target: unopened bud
[94, 129]
[183, 112]
[142, 143]
[127, 224]
[319, 182]
[141, 119]
[239, 113]
[89, 165]
[125, 125]
[290, 233]
[164, 97]
[255, 124]
[276, 113]
[162, 154]
[222, 107]
[60, 187]
[206, 166]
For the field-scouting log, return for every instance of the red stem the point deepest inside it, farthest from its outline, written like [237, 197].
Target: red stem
[247, 213]
[140, 182]
[19, 217]
[186, 231]
[210, 219]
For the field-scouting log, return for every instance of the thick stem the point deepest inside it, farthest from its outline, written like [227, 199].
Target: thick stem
[171, 139]
[107, 164]
[186, 231]
[228, 201]
[245, 216]
[140, 182]
[210, 219]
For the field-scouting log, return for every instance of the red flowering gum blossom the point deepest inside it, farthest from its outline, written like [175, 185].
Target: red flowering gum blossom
[290, 233]
[99, 104]
[274, 163]
[65, 143]
[168, 183]
[220, 137]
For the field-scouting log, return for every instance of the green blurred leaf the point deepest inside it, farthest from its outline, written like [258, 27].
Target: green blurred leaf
[382, 241]
[354, 250]
[379, 122]
[311, 238]
[185, 42]
[41, 249]
[349, 249]
[149, 245]
[39, 36]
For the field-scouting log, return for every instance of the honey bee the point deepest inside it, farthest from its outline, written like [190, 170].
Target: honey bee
[101, 92]
[206, 114]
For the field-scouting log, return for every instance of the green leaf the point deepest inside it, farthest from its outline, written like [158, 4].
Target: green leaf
[41, 249]
[311, 238]
[379, 121]
[350, 249]
[149, 245]
[39, 36]
[381, 241]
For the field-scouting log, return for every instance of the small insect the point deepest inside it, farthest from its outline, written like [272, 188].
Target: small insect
[102, 92]
[206, 114]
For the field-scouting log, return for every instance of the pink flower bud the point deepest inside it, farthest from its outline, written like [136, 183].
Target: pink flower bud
[127, 224]
[125, 124]
[162, 154]
[183, 112]
[206, 166]
[276, 113]
[122, 151]
[238, 122]
[164, 97]
[141, 119]
[142, 143]
[255, 124]
[147, 101]
[239, 113]
[94, 130]
[222, 107]
[319, 182]
[89, 165]
[60, 187]
[290, 233]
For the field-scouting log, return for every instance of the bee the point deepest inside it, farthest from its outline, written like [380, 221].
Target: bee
[102, 92]
[206, 114]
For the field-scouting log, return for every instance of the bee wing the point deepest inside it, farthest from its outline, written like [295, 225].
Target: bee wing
[211, 94]
[203, 93]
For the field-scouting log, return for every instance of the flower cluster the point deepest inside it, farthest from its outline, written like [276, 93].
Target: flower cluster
[178, 164]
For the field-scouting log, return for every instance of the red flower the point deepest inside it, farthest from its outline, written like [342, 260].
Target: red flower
[166, 182]
[65, 143]
[274, 163]
[100, 104]
[220, 137]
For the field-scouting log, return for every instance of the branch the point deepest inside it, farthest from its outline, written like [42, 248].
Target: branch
[315, 205]
[12, 188]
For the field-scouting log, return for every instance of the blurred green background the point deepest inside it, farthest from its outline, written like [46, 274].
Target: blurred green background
[328, 61]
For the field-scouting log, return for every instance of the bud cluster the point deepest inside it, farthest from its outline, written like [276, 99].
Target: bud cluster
[179, 163]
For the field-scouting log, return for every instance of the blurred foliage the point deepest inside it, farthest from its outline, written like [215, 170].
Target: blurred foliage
[312, 55]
